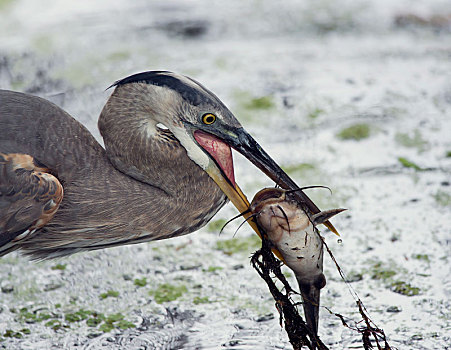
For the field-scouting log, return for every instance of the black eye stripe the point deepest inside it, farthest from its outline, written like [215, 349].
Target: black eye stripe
[194, 93]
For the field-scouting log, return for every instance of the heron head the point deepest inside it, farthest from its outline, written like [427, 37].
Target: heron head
[207, 129]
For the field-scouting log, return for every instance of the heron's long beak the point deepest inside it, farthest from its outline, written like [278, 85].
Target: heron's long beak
[248, 147]
[222, 172]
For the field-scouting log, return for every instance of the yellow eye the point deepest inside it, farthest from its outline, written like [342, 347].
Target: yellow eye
[208, 118]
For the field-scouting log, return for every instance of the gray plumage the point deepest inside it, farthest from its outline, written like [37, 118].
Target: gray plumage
[139, 200]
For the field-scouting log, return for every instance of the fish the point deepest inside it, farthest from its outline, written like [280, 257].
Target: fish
[294, 234]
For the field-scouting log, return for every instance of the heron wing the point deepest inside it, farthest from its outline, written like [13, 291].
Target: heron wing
[29, 197]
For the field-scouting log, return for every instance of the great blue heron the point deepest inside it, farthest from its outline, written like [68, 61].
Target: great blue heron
[61, 192]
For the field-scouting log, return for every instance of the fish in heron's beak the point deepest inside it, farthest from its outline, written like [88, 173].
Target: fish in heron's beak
[295, 236]
[218, 148]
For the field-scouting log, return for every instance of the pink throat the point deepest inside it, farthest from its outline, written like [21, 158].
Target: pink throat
[219, 150]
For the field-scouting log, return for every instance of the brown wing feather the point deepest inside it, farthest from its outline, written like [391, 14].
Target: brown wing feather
[29, 196]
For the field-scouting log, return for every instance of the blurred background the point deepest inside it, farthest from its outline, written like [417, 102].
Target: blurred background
[355, 95]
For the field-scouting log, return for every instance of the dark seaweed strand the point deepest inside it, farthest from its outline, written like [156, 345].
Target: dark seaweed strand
[298, 333]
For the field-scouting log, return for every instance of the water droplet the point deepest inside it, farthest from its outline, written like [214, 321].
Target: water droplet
[339, 241]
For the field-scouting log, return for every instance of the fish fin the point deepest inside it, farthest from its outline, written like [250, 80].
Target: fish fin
[323, 216]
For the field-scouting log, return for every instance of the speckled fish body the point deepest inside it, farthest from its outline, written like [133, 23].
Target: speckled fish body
[298, 240]
[291, 232]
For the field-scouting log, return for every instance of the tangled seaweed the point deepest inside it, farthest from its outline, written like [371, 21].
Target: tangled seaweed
[299, 334]
[268, 267]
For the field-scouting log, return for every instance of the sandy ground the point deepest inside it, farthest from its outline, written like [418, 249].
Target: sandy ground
[352, 95]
